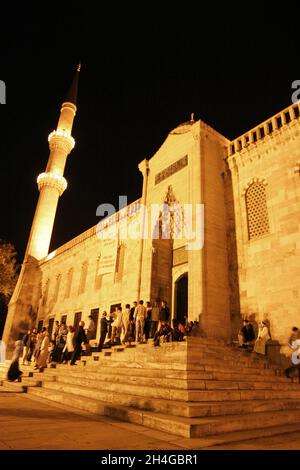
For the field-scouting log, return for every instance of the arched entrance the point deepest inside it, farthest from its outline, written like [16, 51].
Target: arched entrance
[181, 298]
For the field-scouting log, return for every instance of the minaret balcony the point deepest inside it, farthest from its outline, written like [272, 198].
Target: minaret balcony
[53, 181]
[61, 139]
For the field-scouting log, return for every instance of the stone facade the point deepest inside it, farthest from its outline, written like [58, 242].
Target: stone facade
[248, 265]
[268, 264]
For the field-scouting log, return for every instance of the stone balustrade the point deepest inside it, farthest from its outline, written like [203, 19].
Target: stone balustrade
[264, 129]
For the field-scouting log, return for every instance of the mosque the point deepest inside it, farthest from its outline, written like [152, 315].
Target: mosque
[237, 256]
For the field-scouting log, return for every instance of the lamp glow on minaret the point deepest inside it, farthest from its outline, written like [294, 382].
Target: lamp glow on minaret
[51, 183]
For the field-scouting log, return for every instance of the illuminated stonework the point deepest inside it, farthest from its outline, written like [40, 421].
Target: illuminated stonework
[61, 139]
[52, 180]
[251, 181]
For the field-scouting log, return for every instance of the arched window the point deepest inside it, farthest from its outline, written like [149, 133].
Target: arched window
[83, 276]
[69, 283]
[257, 211]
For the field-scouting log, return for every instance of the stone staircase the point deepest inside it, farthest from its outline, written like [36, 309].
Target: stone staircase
[194, 389]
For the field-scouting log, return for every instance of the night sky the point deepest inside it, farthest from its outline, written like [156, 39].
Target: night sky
[143, 72]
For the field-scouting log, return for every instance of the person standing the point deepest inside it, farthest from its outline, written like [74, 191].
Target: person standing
[26, 347]
[38, 344]
[69, 346]
[90, 328]
[164, 312]
[56, 330]
[80, 337]
[262, 338]
[116, 326]
[103, 330]
[33, 340]
[90, 331]
[60, 342]
[41, 363]
[154, 319]
[140, 317]
[125, 324]
[147, 326]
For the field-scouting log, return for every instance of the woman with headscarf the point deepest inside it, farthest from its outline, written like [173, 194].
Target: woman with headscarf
[14, 372]
[41, 362]
[262, 338]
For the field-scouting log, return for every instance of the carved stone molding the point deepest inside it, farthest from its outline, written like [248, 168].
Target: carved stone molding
[250, 182]
[52, 180]
[62, 140]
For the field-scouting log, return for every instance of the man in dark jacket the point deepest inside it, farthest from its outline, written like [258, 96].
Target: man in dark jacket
[164, 312]
[80, 337]
[247, 335]
[103, 330]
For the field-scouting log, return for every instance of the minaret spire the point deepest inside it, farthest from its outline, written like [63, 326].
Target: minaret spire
[73, 91]
[52, 183]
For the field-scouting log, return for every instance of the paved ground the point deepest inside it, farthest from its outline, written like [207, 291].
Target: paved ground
[29, 424]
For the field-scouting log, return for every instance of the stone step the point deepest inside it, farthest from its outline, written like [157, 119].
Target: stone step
[172, 424]
[16, 387]
[208, 367]
[173, 347]
[96, 381]
[224, 395]
[216, 442]
[24, 383]
[115, 391]
[239, 407]
[157, 374]
[188, 409]
[198, 348]
[87, 388]
[220, 425]
[197, 357]
[186, 427]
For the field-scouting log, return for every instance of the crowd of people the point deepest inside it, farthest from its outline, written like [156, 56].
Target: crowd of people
[137, 323]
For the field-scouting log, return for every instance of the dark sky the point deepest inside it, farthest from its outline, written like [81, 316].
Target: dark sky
[143, 72]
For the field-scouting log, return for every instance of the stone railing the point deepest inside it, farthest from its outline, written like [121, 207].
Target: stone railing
[91, 232]
[264, 129]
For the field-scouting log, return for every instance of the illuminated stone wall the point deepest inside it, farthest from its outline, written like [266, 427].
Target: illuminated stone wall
[266, 160]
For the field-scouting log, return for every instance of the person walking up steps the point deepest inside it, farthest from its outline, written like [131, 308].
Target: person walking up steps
[80, 337]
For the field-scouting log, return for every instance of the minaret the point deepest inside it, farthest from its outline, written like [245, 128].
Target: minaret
[52, 183]
[23, 305]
